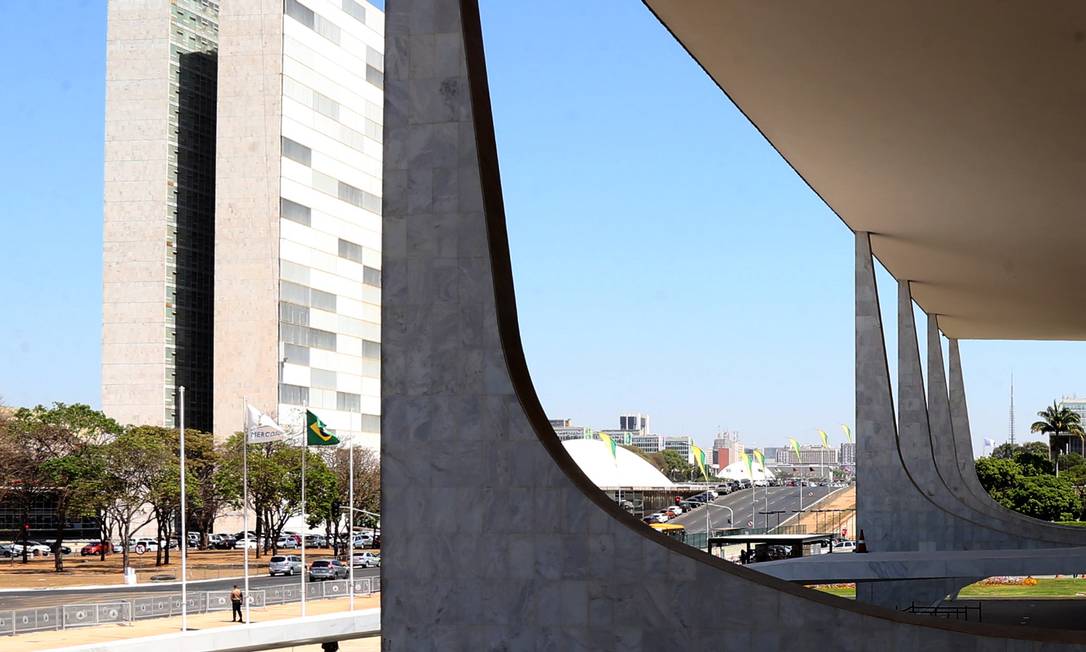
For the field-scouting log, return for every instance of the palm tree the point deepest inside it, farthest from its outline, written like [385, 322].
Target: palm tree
[1057, 422]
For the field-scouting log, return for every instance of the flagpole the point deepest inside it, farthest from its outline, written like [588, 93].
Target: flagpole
[350, 517]
[305, 450]
[245, 504]
[184, 537]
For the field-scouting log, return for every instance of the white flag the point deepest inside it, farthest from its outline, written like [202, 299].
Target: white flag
[260, 428]
[989, 442]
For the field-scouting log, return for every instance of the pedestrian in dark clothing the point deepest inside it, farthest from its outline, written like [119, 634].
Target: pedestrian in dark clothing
[235, 602]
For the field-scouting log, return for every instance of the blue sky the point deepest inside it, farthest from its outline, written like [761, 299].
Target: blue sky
[666, 259]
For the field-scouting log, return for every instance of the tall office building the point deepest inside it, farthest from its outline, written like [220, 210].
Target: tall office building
[298, 213]
[635, 421]
[284, 243]
[159, 210]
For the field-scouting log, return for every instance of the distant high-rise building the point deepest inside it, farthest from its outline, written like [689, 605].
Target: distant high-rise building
[680, 444]
[847, 453]
[561, 423]
[634, 422]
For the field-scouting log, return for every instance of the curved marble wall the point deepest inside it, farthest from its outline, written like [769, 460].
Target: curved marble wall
[494, 539]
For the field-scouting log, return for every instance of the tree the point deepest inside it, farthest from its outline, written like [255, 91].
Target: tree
[275, 472]
[51, 454]
[1060, 424]
[367, 491]
[998, 476]
[1045, 497]
[1006, 451]
[1034, 460]
[212, 484]
[134, 462]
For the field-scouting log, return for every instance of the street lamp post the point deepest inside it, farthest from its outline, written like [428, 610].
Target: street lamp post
[350, 542]
[184, 538]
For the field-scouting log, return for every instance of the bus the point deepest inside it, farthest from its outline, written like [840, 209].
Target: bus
[670, 529]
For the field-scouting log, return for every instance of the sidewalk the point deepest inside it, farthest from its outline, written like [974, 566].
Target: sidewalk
[104, 633]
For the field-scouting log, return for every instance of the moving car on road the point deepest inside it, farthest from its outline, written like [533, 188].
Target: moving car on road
[285, 565]
[671, 529]
[328, 569]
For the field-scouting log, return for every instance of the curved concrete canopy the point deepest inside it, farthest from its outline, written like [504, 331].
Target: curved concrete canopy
[952, 131]
[625, 469]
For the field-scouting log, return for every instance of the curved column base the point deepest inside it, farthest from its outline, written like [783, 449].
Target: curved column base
[493, 537]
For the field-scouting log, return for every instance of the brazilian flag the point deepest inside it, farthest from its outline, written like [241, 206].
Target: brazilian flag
[316, 433]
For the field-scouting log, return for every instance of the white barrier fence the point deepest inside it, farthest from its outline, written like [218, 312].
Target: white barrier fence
[20, 621]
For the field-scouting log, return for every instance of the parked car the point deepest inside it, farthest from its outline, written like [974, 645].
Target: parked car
[286, 542]
[33, 549]
[316, 541]
[658, 517]
[95, 548]
[223, 541]
[328, 569]
[844, 545]
[363, 539]
[674, 511]
[51, 543]
[366, 559]
[285, 565]
[249, 542]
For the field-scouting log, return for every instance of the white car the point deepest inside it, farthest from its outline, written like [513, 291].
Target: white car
[366, 560]
[674, 510]
[249, 543]
[143, 544]
[286, 542]
[32, 550]
[844, 546]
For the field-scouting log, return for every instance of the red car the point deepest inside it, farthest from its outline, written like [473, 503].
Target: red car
[95, 548]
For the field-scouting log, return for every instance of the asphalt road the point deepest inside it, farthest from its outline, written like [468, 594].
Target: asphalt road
[54, 597]
[779, 498]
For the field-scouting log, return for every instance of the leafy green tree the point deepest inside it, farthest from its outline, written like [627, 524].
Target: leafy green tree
[275, 472]
[1045, 497]
[1006, 451]
[997, 476]
[1034, 460]
[1060, 424]
[135, 462]
[213, 485]
[52, 453]
[367, 491]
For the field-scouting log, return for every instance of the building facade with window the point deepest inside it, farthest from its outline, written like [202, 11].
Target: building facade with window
[276, 267]
[298, 214]
[158, 210]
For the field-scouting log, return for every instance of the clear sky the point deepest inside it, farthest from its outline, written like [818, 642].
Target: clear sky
[667, 260]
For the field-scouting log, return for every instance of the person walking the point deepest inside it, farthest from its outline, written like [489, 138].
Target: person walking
[235, 602]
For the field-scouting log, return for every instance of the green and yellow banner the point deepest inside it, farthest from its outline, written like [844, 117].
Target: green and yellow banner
[848, 432]
[316, 433]
[746, 460]
[699, 459]
[605, 438]
[825, 438]
[795, 447]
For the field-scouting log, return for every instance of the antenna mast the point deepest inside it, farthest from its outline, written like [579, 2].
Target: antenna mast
[1010, 428]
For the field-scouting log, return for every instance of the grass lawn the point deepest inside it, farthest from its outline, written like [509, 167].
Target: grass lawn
[1045, 588]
